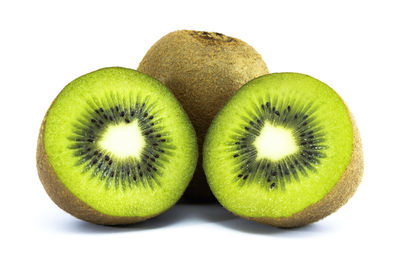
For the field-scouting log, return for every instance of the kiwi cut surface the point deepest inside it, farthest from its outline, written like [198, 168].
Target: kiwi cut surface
[116, 147]
[203, 70]
[284, 151]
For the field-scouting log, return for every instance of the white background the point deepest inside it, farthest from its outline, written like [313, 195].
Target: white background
[352, 45]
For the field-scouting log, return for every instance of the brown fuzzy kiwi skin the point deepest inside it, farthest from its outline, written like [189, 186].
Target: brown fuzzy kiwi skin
[203, 70]
[332, 201]
[65, 199]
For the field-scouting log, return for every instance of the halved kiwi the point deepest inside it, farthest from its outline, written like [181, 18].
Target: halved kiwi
[116, 147]
[284, 151]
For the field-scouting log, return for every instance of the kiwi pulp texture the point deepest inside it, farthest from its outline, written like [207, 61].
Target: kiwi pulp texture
[284, 151]
[203, 70]
[116, 147]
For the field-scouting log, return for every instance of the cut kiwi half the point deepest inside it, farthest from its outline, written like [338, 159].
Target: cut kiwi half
[284, 151]
[203, 70]
[116, 147]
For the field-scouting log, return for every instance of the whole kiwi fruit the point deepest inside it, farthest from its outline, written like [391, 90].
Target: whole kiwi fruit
[115, 147]
[203, 70]
[284, 151]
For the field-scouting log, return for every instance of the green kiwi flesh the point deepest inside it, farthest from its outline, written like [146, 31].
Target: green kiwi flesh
[203, 70]
[116, 147]
[284, 151]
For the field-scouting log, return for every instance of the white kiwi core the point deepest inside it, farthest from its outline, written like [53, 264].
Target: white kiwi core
[123, 140]
[275, 142]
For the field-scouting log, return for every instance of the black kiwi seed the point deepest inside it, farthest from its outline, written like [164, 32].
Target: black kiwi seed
[309, 140]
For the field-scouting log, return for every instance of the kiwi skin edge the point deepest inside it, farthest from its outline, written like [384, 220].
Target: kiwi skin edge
[65, 199]
[332, 201]
[203, 70]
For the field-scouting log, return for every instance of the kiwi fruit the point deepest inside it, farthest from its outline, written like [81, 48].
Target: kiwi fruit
[203, 70]
[115, 147]
[284, 151]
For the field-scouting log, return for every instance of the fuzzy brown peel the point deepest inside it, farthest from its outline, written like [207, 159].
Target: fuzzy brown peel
[203, 70]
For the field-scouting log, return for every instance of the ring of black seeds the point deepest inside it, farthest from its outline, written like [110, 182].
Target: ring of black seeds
[101, 164]
[274, 174]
